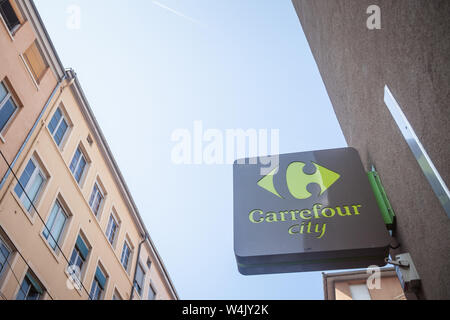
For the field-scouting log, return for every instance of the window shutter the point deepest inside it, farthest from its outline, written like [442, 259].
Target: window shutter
[35, 61]
[35, 284]
[100, 278]
[82, 247]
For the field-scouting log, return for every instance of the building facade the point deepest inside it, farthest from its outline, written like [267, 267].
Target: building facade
[69, 228]
[29, 73]
[361, 285]
[408, 52]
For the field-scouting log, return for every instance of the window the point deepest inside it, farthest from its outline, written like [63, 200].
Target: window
[149, 264]
[360, 292]
[116, 295]
[112, 228]
[98, 285]
[9, 15]
[36, 61]
[58, 126]
[79, 254]
[4, 254]
[30, 289]
[7, 106]
[96, 200]
[32, 180]
[139, 279]
[126, 252]
[78, 165]
[151, 293]
[55, 225]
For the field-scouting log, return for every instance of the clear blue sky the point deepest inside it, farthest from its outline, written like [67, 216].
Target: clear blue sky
[151, 67]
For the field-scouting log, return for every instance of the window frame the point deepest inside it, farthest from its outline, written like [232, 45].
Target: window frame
[151, 288]
[135, 282]
[116, 295]
[130, 254]
[91, 199]
[98, 291]
[9, 96]
[48, 229]
[33, 282]
[96, 282]
[10, 252]
[77, 250]
[66, 119]
[86, 166]
[78, 257]
[114, 217]
[38, 170]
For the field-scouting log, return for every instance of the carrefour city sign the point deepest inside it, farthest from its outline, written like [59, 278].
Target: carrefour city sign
[314, 211]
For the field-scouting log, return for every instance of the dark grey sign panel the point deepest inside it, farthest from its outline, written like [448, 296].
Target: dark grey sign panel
[315, 211]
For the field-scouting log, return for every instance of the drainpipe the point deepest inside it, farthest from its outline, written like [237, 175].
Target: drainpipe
[31, 131]
[137, 262]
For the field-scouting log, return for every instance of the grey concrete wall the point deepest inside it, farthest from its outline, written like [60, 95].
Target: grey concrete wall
[411, 54]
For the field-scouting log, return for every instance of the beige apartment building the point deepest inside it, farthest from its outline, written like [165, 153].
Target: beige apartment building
[69, 228]
[356, 285]
[29, 74]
